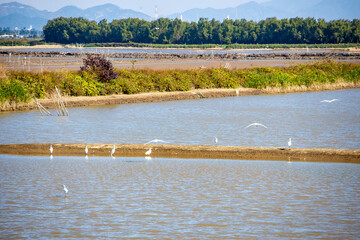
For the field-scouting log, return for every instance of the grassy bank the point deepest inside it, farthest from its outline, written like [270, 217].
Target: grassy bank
[18, 86]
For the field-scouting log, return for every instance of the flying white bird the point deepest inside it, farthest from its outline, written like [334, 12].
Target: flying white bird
[256, 124]
[65, 190]
[156, 141]
[113, 150]
[289, 142]
[148, 152]
[329, 101]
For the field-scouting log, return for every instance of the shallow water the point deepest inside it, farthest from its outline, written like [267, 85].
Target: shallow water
[302, 116]
[187, 199]
[172, 51]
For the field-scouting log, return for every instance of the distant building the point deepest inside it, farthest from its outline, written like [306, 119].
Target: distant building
[6, 36]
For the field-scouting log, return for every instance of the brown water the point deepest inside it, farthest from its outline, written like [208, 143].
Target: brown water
[135, 198]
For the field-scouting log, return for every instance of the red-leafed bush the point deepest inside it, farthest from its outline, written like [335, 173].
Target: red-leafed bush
[100, 66]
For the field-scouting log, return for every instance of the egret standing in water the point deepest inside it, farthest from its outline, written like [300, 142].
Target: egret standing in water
[113, 150]
[289, 142]
[215, 140]
[65, 190]
[148, 152]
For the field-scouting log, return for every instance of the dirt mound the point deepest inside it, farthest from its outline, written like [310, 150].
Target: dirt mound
[187, 151]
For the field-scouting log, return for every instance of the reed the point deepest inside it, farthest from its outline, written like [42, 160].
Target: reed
[42, 109]
[62, 111]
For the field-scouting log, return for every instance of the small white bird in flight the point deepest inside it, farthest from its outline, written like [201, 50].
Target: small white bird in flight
[148, 152]
[289, 142]
[156, 141]
[329, 101]
[113, 150]
[51, 149]
[65, 190]
[256, 124]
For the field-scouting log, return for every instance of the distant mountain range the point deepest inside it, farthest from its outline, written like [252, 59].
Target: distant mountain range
[19, 15]
[327, 9]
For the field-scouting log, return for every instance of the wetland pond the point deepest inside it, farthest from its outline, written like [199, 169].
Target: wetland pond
[138, 198]
[135, 198]
[303, 117]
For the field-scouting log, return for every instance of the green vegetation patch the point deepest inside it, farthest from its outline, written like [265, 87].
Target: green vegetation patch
[20, 86]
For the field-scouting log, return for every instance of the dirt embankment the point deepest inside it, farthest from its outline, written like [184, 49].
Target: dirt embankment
[180, 56]
[168, 96]
[187, 151]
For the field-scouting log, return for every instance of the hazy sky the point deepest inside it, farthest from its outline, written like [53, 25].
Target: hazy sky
[165, 7]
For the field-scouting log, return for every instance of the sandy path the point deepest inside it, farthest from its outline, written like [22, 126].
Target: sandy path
[188, 151]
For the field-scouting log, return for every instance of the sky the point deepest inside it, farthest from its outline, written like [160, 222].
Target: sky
[164, 7]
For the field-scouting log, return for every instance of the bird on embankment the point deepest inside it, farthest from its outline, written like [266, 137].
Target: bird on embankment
[148, 152]
[289, 142]
[113, 150]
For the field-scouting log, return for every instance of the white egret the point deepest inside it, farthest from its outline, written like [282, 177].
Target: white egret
[65, 190]
[51, 149]
[289, 142]
[148, 152]
[156, 141]
[86, 150]
[113, 150]
[329, 101]
[215, 140]
[256, 124]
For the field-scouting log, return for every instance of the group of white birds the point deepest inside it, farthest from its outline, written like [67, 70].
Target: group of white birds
[148, 152]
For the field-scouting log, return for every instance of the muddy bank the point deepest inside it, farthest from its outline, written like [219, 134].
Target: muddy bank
[168, 96]
[187, 151]
[180, 56]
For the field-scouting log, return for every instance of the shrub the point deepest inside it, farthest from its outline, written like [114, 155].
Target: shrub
[13, 91]
[100, 66]
[76, 85]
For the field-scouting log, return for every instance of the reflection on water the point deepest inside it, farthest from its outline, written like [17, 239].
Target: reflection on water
[302, 116]
[159, 198]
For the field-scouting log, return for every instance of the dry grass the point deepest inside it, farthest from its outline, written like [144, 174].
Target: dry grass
[3, 72]
[313, 88]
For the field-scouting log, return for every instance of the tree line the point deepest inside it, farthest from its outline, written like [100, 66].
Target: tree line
[166, 31]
